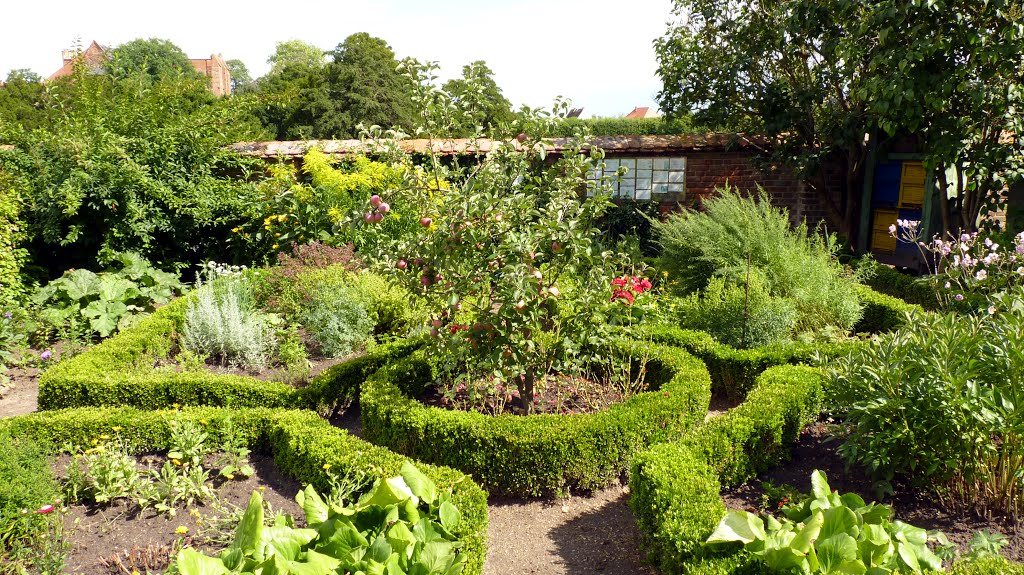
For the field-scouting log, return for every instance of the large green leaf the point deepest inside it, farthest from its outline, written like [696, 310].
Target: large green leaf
[314, 564]
[838, 554]
[435, 556]
[250, 527]
[839, 520]
[113, 288]
[80, 285]
[819, 485]
[312, 505]
[391, 491]
[806, 536]
[738, 526]
[420, 485]
[450, 515]
[284, 541]
[339, 538]
[192, 562]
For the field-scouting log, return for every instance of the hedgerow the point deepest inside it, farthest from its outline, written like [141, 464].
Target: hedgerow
[536, 454]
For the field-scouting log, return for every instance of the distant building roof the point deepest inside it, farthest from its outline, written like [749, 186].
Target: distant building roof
[613, 144]
[644, 112]
[92, 57]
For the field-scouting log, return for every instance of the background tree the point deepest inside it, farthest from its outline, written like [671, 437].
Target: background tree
[241, 81]
[153, 58]
[951, 74]
[22, 99]
[361, 85]
[132, 165]
[478, 100]
[295, 53]
[772, 68]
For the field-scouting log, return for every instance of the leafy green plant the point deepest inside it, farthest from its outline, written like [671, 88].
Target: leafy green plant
[337, 319]
[107, 301]
[223, 322]
[830, 534]
[940, 402]
[403, 525]
[188, 443]
[742, 316]
[233, 452]
[102, 473]
[506, 259]
[736, 232]
[27, 527]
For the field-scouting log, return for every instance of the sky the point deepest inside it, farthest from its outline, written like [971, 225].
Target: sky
[597, 53]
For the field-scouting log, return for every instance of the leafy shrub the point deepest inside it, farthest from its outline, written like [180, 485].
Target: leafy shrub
[736, 230]
[403, 525]
[28, 486]
[739, 316]
[830, 533]
[337, 319]
[939, 402]
[132, 165]
[391, 307]
[223, 322]
[13, 255]
[107, 301]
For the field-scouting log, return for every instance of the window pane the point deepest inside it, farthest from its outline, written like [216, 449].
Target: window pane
[677, 164]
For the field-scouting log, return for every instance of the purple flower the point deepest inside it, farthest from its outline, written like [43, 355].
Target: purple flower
[981, 275]
[959, 297]
[8, 315]
[46, 354]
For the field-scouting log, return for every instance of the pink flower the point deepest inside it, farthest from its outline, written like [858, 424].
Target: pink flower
[959, 297]
[46, 354]
[981, 275]
[45, 509]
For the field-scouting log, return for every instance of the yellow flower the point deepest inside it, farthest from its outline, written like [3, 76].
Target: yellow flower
[194, 513]
[665, 274]
[261, 488]
[282, 217]
[203, 422]
[99, 448]
[116, 428]
[236, 230]
[273, 247]
[176, 462]
[327, 467]
[181, 530]
[229, 476]
[176, 405]
[105, 437]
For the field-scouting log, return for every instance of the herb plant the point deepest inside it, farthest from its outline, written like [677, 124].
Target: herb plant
[940, 402]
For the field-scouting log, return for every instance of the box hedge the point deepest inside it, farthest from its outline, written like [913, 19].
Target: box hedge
[537, 454]
[300, 442]
[734, 371]
[122, 371]
[882, 312]
[676, 485]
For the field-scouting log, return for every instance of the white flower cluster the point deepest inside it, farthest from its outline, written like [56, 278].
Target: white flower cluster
[216, 270]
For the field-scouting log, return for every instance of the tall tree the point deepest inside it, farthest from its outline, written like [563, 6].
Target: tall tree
[952, 74]
[241, 81]
[479, 100]
[361, 85]
[22, 101]
[295, 53]
[772, 68]
[154, 58]
[823, 77]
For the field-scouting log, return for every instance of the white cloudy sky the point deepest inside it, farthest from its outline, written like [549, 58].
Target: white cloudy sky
[597, 53]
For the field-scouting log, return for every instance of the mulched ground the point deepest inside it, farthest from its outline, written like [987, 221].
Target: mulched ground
[813, 451]
[120, 539]
[22, 393]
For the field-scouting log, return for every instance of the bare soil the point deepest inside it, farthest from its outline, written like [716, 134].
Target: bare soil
[121, 538]
[22, 393]
[575, 536]
[816, 451]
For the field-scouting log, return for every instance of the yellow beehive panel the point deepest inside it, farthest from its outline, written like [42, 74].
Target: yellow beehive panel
[912, 185]
[881, 239]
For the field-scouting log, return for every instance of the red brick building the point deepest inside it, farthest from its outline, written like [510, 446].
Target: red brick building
[94, 56]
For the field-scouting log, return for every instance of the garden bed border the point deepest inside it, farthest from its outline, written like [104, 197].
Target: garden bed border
[540, 454]
[302, 444]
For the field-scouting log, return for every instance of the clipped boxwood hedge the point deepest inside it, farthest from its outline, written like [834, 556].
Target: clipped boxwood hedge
[537, 454]
[120, 372]
[911, 289]
[882, 312]
[734, 371]
[300, 442]
[676, 485]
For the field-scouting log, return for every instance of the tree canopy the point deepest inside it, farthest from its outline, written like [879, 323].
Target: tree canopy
[478, 99]
[822, 78]
[153, 58]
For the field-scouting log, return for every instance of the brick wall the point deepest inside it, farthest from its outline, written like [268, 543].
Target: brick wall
[707, 171]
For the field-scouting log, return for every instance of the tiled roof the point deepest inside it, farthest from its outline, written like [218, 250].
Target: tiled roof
[93, 57]
[613, 144]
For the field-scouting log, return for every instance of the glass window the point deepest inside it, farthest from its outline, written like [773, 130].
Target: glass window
[645, 178]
